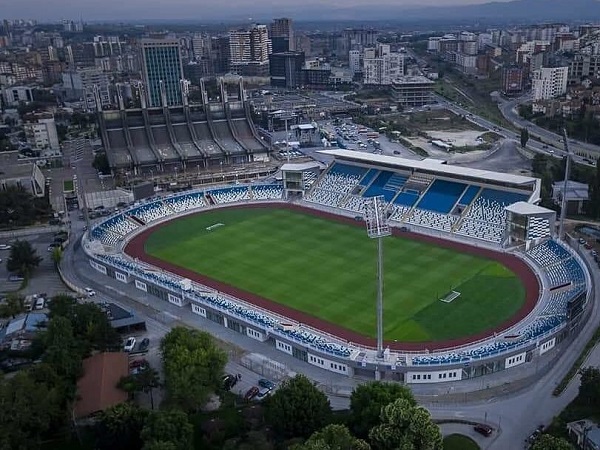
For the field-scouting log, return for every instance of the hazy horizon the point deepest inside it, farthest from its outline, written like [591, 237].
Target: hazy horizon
[131, 10]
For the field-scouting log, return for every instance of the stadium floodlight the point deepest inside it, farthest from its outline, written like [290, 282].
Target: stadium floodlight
[377, 228]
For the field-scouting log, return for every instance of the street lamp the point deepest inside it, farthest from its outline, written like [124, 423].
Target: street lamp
[377, 228]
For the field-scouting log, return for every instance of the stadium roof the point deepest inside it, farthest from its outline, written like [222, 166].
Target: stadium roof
[427, 165]
[526, 209]
[298, 167]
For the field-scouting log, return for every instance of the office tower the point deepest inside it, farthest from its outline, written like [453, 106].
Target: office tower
[282, 35]
[161, 61]
[286, 69]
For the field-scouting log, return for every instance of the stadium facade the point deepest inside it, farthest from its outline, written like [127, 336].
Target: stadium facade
[488, 210]
[172, 137]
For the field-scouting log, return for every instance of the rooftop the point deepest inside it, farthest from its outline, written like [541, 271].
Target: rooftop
[412, 79]
[430, 166]
[13, 167]
[527, 209]
[97, 389]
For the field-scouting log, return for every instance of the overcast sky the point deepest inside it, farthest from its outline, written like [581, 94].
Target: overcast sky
[129, 10]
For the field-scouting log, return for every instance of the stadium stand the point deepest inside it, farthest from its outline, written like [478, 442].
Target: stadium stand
[185, 202]
[150, 211]
[431, 219]
[441, 196]
[267, 192]
[230, 195]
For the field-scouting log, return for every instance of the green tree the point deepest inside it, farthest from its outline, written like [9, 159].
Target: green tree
[18, 207]
[64, 352]
[333, 437]
[405, 426]
[120, 427]
[549, 442]
[101, 163]
[170, 426]
[146, 380]
[193, 367]
[160, 445]
[29, 410]
[524, 137]
[12, 306]
[589, 389]
[368, 399]
[22, 258]
[90, 324]
[57, 254]
[297, 408]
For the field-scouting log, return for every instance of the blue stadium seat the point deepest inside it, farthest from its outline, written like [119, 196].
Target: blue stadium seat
[442, 196]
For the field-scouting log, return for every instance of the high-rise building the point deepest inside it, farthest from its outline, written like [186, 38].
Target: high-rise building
[286, 69]
[512, 80]
[249, 51]
[550, 82]
[382, 66]
[282, 35]
[161, 62]
[83, 82]
[201, 46]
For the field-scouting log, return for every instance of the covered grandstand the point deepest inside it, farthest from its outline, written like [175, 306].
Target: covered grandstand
[456, 203]
[157, 139]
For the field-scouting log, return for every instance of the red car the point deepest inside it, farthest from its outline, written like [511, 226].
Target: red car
[138, 363]
[252, 392]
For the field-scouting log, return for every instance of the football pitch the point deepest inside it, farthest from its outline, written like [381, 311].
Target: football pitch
[328, 269]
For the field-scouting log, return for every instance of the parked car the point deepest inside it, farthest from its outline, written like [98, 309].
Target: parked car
[229, 381]
[483, 429]
[129, 344]
[90, 292]
[252, 392]
[263, 393]
[136, 363]
[4, 247]
[15, 277]
[144, 344]
[52, 246]
[264, 383]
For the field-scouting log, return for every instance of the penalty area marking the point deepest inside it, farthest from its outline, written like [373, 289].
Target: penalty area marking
[216, 225]
[453, 295]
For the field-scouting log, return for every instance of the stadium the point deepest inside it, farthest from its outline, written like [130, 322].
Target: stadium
[475, 280]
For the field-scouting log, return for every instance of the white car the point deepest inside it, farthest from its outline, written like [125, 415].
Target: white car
[129, 344]
[90, 292]
[4, 247]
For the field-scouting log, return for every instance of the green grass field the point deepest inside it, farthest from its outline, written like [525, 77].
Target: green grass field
[328, 269]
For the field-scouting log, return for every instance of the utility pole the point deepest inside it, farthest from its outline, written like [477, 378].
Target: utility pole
[563, 205]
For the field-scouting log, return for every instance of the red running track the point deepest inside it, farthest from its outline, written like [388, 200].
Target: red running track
[135, 249]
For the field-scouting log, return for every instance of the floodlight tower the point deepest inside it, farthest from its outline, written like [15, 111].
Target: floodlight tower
[378, 228]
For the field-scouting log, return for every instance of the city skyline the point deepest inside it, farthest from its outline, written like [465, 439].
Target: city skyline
[113, 10]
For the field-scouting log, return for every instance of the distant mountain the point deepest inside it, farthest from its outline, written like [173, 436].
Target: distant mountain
[519, 10]
[529, 11]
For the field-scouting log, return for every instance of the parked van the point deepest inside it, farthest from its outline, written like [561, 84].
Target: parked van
[39, 303]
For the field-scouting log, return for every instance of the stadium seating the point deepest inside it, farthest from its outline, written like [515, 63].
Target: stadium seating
[267, 192]
[309, 179]
[397, 212]
[150, 211]
[431, 219]
[370, 175]
[355, 203]
[441, 196]
[379, 187]
[325, 197]
[558, 301]
[230, 195]
[548, 253]
[186, 202]
[469, 195]
[407, 198]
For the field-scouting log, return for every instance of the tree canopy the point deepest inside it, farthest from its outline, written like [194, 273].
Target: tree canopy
[297, 408]
[405, 426]
[168, 427]
[548, 442]
[524, 137]
[589, 389]
[193, 367]
[333, 437]
[22, 259]
[120, 427]
[19, 208]
[12, 306]
[368, 399]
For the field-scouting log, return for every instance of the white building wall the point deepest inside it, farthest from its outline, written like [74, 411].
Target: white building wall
[439, 376]
[550, 82]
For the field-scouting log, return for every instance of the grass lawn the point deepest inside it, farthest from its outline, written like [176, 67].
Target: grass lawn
[328, 269]
[68, 186]
[460, 442]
